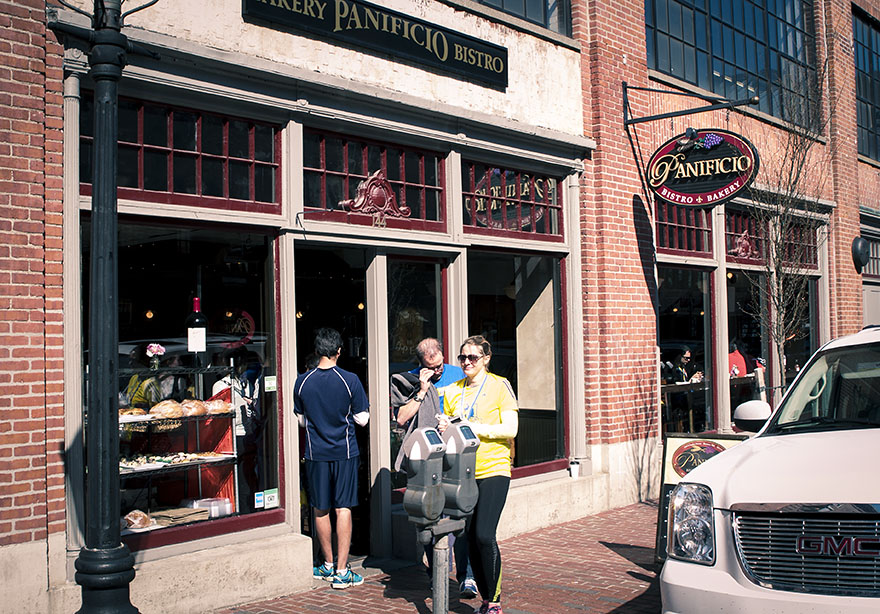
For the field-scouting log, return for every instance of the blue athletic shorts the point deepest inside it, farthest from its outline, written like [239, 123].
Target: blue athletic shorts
[332, 484]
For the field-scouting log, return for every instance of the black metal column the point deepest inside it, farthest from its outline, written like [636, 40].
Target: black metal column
[104, 567]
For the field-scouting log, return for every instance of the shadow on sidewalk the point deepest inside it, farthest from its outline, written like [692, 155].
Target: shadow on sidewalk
[412, 585]
[649, 600]
[639, 555]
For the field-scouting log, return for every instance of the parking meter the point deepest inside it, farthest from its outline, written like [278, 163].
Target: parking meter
[459, 462]
[423, 499]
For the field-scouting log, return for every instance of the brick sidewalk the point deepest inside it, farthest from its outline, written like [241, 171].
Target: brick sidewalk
[598, 564]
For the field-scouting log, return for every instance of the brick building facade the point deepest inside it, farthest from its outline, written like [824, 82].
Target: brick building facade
[577, 300]
[33, 507]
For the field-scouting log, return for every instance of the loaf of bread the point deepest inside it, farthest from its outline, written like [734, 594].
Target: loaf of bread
[218, 406]
[137, 519]
[193, 407]
[167, 409]
[131, 411]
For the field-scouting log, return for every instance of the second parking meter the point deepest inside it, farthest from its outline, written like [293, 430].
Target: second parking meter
[423, 499]
[459, 463]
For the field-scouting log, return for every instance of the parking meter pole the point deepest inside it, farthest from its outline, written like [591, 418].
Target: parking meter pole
[441, 575]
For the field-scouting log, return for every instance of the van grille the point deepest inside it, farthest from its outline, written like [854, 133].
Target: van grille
[825, 554]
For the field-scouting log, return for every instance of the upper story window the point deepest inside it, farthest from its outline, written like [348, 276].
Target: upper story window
[366, 182]
[553, 15]
[737, 49]
[866, 38]
[750, 239]
[683, 229]
[187, 157]
[501, 200]
[744, 237]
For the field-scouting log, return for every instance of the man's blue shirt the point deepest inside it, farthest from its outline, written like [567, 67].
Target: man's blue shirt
[451, 373]
[329, 399]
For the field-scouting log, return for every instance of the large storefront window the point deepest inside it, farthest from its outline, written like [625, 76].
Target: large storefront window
[804, 342]
[198, 416]
[748, 345]
[515, 302]
[685, 350]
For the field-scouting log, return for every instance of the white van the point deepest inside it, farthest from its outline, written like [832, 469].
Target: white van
[789, 520]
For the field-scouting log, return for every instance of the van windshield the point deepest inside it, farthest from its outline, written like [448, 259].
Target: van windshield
[840, 389]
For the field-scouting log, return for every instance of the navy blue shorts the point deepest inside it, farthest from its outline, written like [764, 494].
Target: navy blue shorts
[332, 484]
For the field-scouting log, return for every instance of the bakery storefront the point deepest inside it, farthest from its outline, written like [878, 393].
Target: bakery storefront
[715, 306]
[198, 342]
[256, 205]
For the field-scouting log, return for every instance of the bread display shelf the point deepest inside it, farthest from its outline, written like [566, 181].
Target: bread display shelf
[154, 418]
[156, 468]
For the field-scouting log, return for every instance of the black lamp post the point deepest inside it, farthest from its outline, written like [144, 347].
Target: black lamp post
[105, 566]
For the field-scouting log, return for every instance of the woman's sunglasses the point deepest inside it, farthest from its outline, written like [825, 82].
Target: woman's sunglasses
[473, 358]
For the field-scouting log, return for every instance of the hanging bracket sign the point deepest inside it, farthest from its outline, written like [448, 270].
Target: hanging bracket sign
[702, 168]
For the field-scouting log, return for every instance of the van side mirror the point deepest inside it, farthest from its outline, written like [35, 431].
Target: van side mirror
[751, 415]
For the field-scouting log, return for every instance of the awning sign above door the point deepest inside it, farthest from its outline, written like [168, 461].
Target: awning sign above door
[702, 168]
[381, 29]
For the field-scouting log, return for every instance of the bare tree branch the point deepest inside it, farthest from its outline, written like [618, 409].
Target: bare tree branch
[787, 213]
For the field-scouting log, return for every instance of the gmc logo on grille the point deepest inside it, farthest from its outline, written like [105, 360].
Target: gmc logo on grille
[838, 546]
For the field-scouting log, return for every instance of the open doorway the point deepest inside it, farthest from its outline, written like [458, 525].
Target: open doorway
[331, 291]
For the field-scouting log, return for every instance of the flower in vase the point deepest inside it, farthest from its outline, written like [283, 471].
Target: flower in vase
[154, 349]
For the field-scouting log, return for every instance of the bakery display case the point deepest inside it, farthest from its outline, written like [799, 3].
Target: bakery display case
[177, 459]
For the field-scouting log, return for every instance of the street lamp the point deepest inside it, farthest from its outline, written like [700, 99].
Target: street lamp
[105, 566]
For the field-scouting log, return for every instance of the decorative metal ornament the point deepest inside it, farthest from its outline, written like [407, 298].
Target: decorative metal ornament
[376, 197]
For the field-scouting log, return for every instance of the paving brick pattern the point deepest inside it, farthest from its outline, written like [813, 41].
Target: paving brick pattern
[598, 564]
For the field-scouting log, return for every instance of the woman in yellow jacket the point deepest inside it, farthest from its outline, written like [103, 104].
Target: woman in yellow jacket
[487, 404]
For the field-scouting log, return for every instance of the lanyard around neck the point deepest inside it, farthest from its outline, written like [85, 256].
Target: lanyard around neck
[468, 410]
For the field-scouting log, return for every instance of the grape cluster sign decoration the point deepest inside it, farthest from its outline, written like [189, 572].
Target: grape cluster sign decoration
[702, 168]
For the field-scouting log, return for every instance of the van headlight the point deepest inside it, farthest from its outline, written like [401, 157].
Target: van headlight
[691, 524]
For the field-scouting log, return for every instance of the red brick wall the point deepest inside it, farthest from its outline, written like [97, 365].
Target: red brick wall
[31, 412]
[617, 251]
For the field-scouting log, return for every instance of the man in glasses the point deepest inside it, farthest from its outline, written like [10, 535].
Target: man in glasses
[434, 376]
[432, 372]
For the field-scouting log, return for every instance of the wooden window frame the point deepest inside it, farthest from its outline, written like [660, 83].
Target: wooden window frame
[198, 199]
[522, 207]
[351, 180]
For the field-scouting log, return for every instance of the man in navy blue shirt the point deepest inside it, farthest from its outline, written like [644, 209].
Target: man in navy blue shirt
[329, 402]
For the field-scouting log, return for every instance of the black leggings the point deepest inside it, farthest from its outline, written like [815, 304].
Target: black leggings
[484, 553]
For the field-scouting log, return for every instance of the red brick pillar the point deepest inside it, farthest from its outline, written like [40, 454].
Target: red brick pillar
[31, 332]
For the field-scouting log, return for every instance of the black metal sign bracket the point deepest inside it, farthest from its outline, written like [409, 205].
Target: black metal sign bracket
[717, 103]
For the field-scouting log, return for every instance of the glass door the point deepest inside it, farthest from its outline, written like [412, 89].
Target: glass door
[331, 292]
[415, 311]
